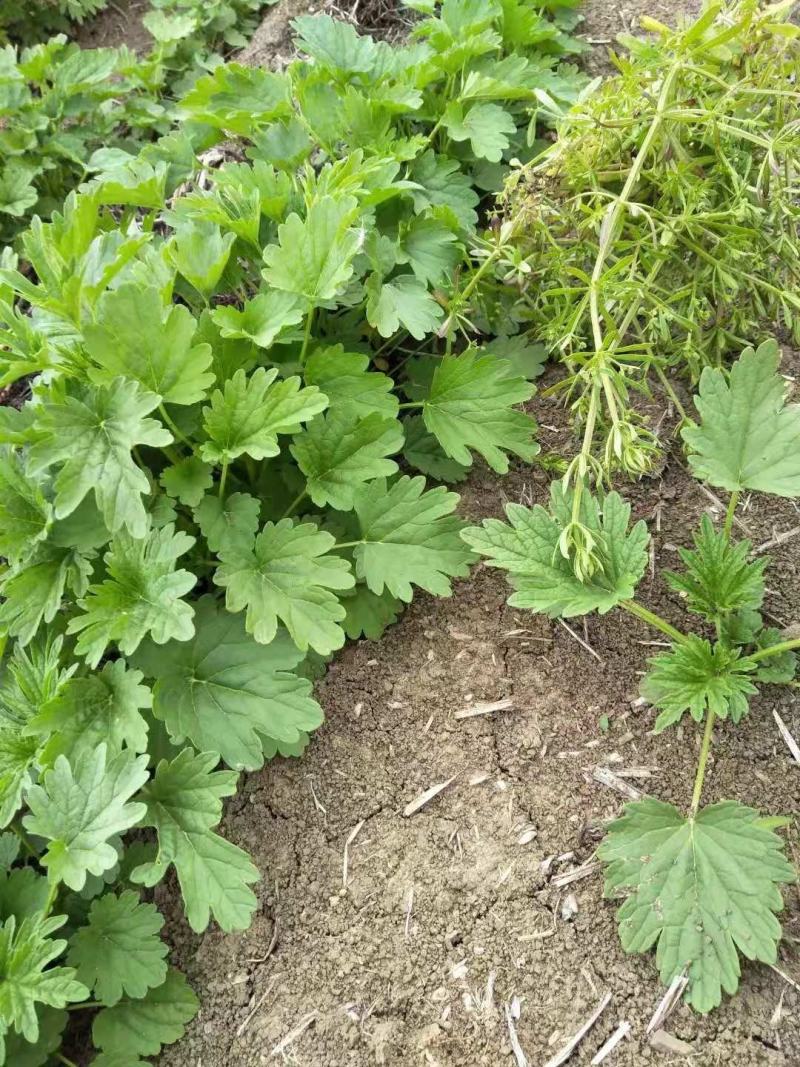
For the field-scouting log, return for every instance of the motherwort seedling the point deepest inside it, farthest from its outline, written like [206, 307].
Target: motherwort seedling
[701, 885]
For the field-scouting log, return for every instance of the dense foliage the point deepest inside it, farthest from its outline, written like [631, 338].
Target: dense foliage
[701, 887]
[237, 373]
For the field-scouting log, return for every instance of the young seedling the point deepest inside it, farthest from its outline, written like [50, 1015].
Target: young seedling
[701, 885]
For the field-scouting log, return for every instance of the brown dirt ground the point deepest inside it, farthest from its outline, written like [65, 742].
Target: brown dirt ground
[446, 916]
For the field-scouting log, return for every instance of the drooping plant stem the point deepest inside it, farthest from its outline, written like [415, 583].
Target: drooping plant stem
[705, 748]
[654, 620]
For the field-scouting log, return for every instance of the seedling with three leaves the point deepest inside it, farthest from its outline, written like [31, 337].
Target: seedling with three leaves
[702, 886]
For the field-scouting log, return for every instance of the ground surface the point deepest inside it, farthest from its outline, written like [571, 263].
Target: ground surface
[450, 914]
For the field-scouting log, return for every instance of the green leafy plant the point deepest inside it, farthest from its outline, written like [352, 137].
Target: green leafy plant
[659, 233]
[239, 380]
[702, 887]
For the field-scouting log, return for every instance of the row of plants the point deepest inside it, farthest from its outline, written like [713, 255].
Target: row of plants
[241, 379]
[655, 238]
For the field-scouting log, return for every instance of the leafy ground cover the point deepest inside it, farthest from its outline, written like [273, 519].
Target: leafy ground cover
[203, 498]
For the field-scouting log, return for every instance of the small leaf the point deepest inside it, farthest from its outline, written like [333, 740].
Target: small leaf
[703, 890]
[485, 126]
[425, 454]
[261, 319]
[369, 614]
[118, 952]
[470, 406]
[409, 536]
[248, 416]
[25, 515]
[187, 480]
[338, 454]
[141, 595]
[403, 301]
[232, 521]
[200, 252]
[144, 1026]
[748, 437]
[287, 573]
[78, 811]
[528, 547]
[431, 248]
[697, 677]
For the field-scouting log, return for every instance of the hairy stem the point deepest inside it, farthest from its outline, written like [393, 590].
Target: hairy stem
[176, 433]
[307, 336]
[734, 500]
[705, 748]
[223, 478]
[775, 650]
[653, 620]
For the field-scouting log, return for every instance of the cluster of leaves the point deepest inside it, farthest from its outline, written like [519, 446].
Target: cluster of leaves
[65, 112]
[702, 887]
[236, 379]
[662, 229]
[37, 18]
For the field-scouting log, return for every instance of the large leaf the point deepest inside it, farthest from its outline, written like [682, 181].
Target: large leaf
[409, 537]
[527, 546]
[471, 406]
[485, 126]
[286, 574]
[348, 384]
[703, 890]
[91, 436]
[338, 454]
[25, 514]
[136, 337]
[261, 319]
[78, 810]
[226, 693]
[118, 952]
[748, 437]
[250, 413]
[183, 805]
[402, 301]
[143, 1026]
[141, 595]
[33, 589]
[229, 521]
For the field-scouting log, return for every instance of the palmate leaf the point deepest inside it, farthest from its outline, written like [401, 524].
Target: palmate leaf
[200, 251]
[250, 413]
[719, 577]
[425, 454]
[101, 708]
[402, 301]
[225, 693]
[703, 890]
[286, 574]
[470, 406]
[118, 952]
[136, 337]
[143, 1026]
[408, 537]
[33, 589]
[442, 183]
[349, 386]
[485, 126]
[183, 805]
[26, 979]
[697, 677]
[232, 521]
[338, 454]
[187, 480]
[91, 436]
[430, 248]
[527, 546]
[748, 437]
[21, 1053]
[141, 595]
[314, 256]
[78, 810]
[368, 614]
[261, 319]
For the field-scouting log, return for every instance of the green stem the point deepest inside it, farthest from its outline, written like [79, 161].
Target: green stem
[734, 500]
[179, 436]
[653, 620]
[705, 748]
[347, 544]
[63, 1059]
[51, 899]
[307, 336]
[295, 504]
[460, 299]
[586, 447]
[670, 392]
[25, 841]
[410, 405]
[223, 478]
[775, 650]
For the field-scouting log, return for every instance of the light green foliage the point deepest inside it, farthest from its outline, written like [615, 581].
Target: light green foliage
[704, 890]
[118, 952]
[528, 547]
[748, 437]
[224, 375]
